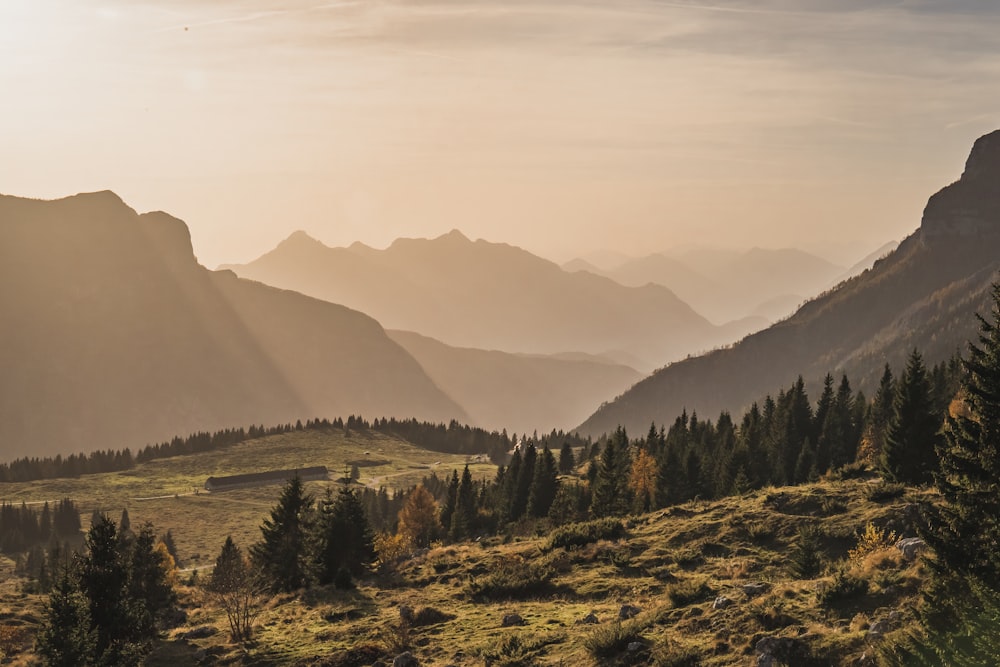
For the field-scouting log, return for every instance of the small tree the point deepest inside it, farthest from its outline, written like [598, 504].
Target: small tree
[236, 587]
[67, 638]
[281, 554]
[418, 519]
[342, 538]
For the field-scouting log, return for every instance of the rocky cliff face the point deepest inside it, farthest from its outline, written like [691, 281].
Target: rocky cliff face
[971, 205]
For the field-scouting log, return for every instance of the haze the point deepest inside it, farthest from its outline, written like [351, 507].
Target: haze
[562, 127]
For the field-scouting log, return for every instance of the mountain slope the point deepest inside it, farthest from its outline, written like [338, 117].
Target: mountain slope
[518, 392]
[113, 335]
[491, 296]
[922, 295]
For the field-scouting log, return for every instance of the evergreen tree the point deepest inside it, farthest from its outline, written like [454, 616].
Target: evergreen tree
[463, 519]
[909, 455]
[281, 553]
[237, 589]
[147, 586]
[566, 460]
[522, 486]
[610, 491]
[450, 499]
[343, 539]
[67, 638]
[544, 485]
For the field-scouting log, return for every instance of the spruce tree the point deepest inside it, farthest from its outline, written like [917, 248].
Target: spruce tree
[463, 519]
[67, 638]
[910, 452]
[611, 495]
[450, 499]
[566, 460]
[544, 485]
[281, 553]
[342, 538]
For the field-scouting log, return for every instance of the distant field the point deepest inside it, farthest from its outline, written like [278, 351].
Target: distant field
[170, 493]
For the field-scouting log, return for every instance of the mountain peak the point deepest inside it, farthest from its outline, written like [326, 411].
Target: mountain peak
[971, 205]
[984, 160]
[301, 239]
[453, 236]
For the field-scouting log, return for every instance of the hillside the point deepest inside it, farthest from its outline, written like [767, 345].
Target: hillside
[113, 335]
[521, 393]
[492, 296]
[922, 295]
[671, 565]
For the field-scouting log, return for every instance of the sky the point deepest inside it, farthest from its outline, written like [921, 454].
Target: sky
[565, 127]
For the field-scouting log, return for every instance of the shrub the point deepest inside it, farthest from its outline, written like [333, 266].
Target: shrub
[430, 616]
[669, 653]
[807, 557]
[688, 592]
[883, 491]
[513, 577]
[610, 640]
[846, 585]
[581, 534]
[759, 531]
[872, 540]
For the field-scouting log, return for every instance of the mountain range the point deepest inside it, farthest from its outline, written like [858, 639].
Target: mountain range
[922, 295]
[478, 294]
[115, 336]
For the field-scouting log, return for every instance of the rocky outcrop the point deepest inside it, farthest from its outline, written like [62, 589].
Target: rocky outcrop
[971, 205]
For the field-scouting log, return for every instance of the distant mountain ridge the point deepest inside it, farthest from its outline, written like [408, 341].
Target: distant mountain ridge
[921, 295]
[484, 295]
[113, 335]
[728, 285]
[519, 392]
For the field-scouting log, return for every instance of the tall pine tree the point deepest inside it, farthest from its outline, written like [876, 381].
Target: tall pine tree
[281, 554]
[910, 452]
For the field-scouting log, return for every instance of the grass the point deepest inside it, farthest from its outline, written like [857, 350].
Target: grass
[671, 566]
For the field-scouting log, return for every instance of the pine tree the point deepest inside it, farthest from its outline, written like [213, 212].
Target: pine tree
[611, 495]
[544, 485]
[566, 460]
[67, 638]
[342, 539]
[909, 455]
[281, 553]
[463, 519]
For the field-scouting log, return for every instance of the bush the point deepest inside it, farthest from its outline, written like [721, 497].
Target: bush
[513, 578]
[581, 534]
[872, 540]
[807, 557]
[688, 592]
[759, 531]
[883, 491]
[612, 639]
[846, 585]
[669, 653]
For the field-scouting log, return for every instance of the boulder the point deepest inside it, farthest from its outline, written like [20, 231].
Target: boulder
[753, 590]
[589, 619]
[628, 611]
[406, 613]
[721, 602]
[405, 659]
[511, 620]
[910, 547]
[634, 647]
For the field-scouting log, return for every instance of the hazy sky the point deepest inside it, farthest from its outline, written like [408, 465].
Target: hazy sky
[563, 127]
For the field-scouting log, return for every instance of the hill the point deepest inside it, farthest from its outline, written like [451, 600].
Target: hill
[922, 295]
[113, 335]
[492, 296]
[708, 580]
[522, 393]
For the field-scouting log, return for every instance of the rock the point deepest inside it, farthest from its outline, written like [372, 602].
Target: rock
[634, 647]
[721, 602]
[878, 628]
[772, 651]
[200, 632]
[589, 619]
[766, 660]
[406, 613]
[510, 620]
[753, 590]
[628, 611]
[405, 659]
[910, 547]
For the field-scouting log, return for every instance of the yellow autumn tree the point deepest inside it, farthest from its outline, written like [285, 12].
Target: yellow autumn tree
[642, 480]
[418, 519]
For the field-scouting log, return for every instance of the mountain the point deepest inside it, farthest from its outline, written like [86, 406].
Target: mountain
[725, 285]
[921, 295]
[113, 335]
[492, 296]
[521, 393]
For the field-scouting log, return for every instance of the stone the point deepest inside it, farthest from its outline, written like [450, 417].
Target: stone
[589, 619]
[772, 651]
[634, 647]
[405, 659]
[510, 620]
[721, 602]
[910, 547]
[406, 613]
[753, 590]
[628, 611]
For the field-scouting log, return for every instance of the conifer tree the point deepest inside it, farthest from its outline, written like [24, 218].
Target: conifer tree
[463, 519]
[281, 554]
[544, 485]
[450, 499]
[611, 495]
[67, 638]
[236, 588]
[909, 455]
[343, 539]
[566, 460]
